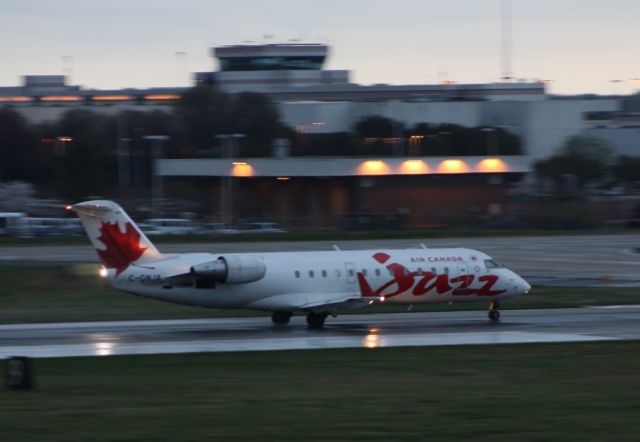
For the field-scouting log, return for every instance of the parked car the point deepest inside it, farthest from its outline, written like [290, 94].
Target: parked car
[217, 229]
[169, 226]
[13, 224]
[261, 227]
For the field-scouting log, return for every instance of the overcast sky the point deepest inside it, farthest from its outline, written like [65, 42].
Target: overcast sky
[582, 45]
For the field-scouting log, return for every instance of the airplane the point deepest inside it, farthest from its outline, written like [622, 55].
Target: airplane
[318, 282]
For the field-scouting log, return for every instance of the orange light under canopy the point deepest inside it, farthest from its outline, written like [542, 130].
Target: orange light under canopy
[111, 97]
[373, 167]
[414, 167]
[453, 166]
[61, 98]
[492, 165]
[15, 99]
[162, 97]
[241, 169]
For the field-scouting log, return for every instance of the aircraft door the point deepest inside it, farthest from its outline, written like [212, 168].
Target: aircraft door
[462, 274]
[350, 269]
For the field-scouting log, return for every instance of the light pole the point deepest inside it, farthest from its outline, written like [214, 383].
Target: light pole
[491, 144]
[229, 144]
[60, 151]
[157, 190]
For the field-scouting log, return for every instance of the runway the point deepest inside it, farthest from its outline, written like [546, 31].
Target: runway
[577, 260]
[347, 331]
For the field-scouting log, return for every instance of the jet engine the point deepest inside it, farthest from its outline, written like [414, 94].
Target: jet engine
[234, 269]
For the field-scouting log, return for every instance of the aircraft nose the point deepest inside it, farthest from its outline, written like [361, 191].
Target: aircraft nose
[526, 287]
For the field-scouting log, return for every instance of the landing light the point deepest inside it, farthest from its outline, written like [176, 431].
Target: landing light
[103, 272]
[381, 298]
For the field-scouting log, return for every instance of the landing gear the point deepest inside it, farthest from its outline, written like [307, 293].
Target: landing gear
[494, 311]
[316, 320]
[280, 318]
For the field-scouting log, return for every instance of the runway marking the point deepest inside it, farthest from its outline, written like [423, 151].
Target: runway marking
[628, 306]
[371, 340]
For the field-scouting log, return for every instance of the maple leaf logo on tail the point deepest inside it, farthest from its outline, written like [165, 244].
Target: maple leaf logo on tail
[121, 248]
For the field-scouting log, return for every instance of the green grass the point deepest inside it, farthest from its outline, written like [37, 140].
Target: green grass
[569, 392]
[76, 293]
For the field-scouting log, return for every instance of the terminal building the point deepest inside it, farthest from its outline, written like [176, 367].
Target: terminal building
[310, 98]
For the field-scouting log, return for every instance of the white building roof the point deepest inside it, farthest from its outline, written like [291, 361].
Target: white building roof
[343, 166]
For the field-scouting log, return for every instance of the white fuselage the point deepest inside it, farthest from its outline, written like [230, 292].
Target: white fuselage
[304, 280]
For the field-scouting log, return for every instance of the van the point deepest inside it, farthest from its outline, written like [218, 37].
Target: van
[12, 224]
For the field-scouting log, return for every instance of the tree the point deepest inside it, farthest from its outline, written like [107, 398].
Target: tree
[585, 158]
[85, 164]
[204, 112]
[15, 196]
[626, 169]
[17, 147]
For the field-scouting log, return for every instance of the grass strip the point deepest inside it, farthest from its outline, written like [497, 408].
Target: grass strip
[534, 392]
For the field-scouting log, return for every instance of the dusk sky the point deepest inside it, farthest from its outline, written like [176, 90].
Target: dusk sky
[582, 45]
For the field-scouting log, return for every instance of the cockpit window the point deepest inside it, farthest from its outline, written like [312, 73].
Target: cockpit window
[491, 264]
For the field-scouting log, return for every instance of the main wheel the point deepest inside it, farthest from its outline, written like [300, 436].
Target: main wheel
[280, 318]
[494, 315]
[316, 320]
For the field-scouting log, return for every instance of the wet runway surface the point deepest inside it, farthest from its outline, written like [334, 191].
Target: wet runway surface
[347, 331]
[554, 260]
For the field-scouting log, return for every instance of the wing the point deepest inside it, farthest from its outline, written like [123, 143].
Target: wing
[309, 301]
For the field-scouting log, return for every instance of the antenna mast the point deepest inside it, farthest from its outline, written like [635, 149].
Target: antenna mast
[507, 72]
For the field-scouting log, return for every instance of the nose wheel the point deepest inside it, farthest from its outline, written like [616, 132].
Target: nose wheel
[494, 311]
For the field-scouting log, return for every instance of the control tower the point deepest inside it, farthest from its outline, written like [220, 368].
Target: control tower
[271, 57]
[272, 68]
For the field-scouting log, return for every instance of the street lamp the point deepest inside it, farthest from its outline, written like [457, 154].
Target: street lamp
[60, 151]
[491, 140]
[157, 190]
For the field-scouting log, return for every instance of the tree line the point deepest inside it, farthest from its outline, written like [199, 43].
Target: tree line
[583, 162]
[77, 154]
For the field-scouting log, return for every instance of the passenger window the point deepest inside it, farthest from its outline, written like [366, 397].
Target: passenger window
[420, 271]
[364, 272]
[377, 272]
[433, 270]
[446, 270]
[390, 272]
[297, 273]
[338, 273]
[350, 272]
[324, 273]
[310, 273]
